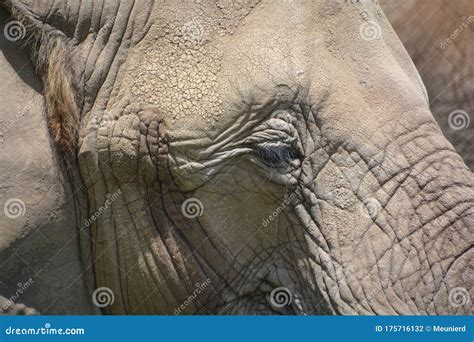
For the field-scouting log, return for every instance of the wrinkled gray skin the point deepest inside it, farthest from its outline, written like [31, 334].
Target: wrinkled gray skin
[373, 206]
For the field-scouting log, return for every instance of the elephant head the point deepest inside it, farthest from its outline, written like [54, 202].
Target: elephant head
[254, 157]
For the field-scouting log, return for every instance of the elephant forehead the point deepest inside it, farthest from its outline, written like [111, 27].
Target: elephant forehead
[200, 69]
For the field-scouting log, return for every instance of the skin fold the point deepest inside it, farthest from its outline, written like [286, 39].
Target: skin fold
[243, 147]
[441, 45]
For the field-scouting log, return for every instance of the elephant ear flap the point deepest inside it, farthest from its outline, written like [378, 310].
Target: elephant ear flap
[39, 57]
[20, 89]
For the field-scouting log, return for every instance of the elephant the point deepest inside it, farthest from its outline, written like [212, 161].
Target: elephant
[442, 50]
[225, 157]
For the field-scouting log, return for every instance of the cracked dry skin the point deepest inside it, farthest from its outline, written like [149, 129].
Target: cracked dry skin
[250, 109]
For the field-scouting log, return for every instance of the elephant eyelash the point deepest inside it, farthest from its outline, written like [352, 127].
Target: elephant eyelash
[275, 155]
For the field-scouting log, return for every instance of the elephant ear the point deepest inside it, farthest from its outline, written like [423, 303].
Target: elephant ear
[74, 45]
[60, 36]
[35, 196]
[46, 45]
[22, 105]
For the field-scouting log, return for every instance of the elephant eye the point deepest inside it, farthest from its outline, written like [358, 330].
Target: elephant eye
[275, 155]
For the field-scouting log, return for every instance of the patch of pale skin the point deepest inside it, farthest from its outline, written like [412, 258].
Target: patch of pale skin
[176, 66]
[362, 94]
